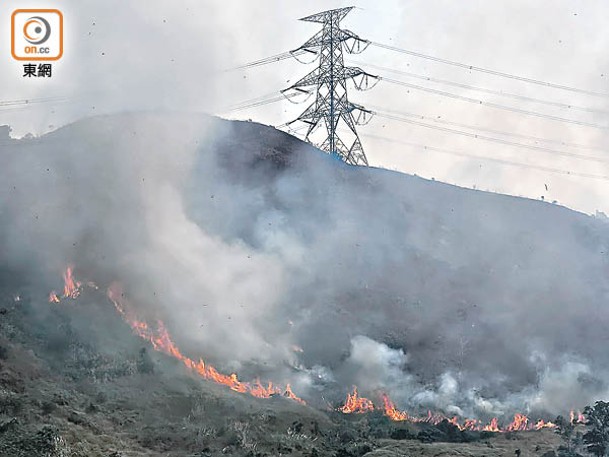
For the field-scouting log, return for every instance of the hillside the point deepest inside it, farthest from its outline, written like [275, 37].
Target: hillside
[270, 259]
[75, 382]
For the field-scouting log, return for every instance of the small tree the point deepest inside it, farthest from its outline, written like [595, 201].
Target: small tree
[597, 438]
[565, 429]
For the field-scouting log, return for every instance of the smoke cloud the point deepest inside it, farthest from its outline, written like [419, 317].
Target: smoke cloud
[248, 243]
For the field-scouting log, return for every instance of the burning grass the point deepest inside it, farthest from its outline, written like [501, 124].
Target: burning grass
[160, 339]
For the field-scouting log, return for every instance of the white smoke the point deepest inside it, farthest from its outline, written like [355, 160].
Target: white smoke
[375, 366]
[248, 243]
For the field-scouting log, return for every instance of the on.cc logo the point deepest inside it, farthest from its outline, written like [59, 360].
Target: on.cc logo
[37, 30]
[37, 34]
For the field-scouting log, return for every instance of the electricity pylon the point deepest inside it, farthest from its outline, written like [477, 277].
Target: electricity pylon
[332, 110]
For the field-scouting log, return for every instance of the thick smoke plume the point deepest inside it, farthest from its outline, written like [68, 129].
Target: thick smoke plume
[252, 246]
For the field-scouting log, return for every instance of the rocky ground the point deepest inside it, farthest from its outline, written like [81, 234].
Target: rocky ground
[75, 381]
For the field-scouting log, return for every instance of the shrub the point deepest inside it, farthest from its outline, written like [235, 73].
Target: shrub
[597, 438]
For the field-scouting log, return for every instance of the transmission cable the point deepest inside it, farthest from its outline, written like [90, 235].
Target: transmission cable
[256, 104]
[487, 138]
[492, 105]
[491, 159]
[12, 104]
[489, 130]
[491, 72]
[262, 100]
[481, 89]
[270, 59]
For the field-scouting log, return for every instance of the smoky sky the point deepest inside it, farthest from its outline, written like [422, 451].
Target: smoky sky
[123, 56]
[248, 244]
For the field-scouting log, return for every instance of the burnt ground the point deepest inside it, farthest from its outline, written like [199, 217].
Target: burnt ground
[75, 381]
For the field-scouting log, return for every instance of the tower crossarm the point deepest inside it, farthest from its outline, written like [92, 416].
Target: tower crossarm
[316, 77]
[319, 40]
[321, 109]
[313, 43]
[337, 14]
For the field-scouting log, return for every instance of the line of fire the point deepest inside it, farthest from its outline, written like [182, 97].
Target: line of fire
[160, 339]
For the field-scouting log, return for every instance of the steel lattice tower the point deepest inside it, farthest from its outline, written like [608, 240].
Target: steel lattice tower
[332, 109]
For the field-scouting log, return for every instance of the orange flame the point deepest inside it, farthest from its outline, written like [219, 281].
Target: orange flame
[391, 411]
[71, 288]
[356, 404]
[471, 424]
[543, 424]
[493, 426]
[162, 342]
[576, 418]
[288, 393]
[520, 423]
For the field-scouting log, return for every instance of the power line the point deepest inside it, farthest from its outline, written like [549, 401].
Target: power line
[30, 101]
[485, 90]
[257, 99]
[491, 159]
[489, 130]
[393, 115]
[271, 97]
[493, 105]
[267, 60]
[491, 72]
[255, 104]
[490, 139]
[474, 156]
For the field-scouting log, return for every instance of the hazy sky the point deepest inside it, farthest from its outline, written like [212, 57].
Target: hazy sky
[153, 54]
